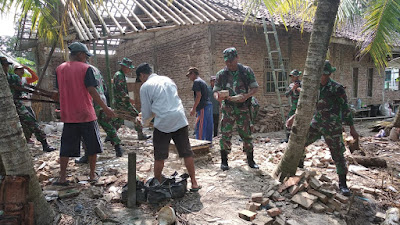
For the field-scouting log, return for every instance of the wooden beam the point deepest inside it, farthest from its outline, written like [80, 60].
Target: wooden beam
[155, 11]
[96, 12]
[202, 9]
[113, 19]
[187, 10]
[127, 20]
[134, 16]
[96, 33]
[194, 9]
[147, 12]
[176, 19]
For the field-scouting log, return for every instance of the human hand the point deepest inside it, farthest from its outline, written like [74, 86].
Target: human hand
[192, 112]
[290, 121]
[354, 133]
[109, 112]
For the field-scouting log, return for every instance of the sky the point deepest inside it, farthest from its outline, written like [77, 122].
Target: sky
[7, 24]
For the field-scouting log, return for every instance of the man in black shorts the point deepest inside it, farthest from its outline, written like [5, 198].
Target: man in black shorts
[76, 90]
[159, 98]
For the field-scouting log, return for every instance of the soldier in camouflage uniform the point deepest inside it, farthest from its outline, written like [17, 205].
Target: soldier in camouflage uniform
[121, 97]
[102, 119]
[293, 92]
[28, 122]
[332, 110]
[240, 81]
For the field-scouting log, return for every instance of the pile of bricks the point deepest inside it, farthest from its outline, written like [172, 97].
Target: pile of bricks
[305, 189]
[268, 119]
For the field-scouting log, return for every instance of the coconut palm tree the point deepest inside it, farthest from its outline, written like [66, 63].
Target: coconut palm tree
[15, 158]
[379, 31]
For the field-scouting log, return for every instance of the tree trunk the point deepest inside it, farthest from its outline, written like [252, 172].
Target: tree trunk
[15, 158]
[396, 122]
[319, 42]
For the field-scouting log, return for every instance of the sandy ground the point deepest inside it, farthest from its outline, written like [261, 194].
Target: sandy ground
[223, 194]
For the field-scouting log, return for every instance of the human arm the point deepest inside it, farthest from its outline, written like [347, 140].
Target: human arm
[347, 115]
[196, 103]
[145, 100]
[96, 98]
[34, 77]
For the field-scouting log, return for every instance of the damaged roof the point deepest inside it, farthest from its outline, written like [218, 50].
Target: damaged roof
[113, 20]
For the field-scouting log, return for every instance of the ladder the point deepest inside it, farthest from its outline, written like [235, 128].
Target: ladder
[273, 69]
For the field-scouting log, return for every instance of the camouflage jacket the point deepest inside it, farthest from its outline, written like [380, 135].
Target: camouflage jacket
[294, 95]
[231, 80]
[15, 80]
[121, 95]
[332, 107]
[100, 83]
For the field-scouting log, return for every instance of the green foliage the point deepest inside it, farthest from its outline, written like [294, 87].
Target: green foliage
[25, 62]
[381, 30]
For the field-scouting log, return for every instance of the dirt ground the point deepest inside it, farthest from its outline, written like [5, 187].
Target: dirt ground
[224, 194]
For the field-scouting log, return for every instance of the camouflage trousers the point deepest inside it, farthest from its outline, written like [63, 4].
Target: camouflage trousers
[29, 123]
[106, 123]
[334, 140]
[240, 115]
[129, 108]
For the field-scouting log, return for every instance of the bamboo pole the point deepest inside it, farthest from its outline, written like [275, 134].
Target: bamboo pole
[113, 19]
[134, 16]
[155, 11]
[127, 20]
[197, 11]
[96, 12]
[177, 20]
[172, 6]
[201, 8]
[96, 33]
[147, 12]
[187, 10]
[108, 75]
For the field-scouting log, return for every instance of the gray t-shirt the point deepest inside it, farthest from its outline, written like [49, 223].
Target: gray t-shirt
[201, 86]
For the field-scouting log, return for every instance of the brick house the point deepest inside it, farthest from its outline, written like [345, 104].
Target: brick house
[198, 32]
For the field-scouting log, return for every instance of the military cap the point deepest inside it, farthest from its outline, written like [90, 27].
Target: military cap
[295, 73]
[126, 62]
[328, 68]
[79, 47]
[230, 53]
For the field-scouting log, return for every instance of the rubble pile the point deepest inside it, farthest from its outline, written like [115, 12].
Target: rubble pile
[269, 119]
[306, 189]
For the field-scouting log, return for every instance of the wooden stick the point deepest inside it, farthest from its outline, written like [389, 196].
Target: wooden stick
[36, 100]
[131, 180]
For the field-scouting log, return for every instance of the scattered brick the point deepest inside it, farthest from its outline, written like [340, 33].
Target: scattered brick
[290, 182]
[343, 199]
[263, 220]
[355, 188]
[247, 215]
[327, 192]
[292, 222]
[256, 197]
[318, 208]
[269, 193]
[368, 190]
[265, 201]
[304, 199]
[314, 183]
[335, 203]
[251, 206]
[294, 189]
[320, 196]
[279, 221]
[300, 174]
[325, 178]
[274, 212]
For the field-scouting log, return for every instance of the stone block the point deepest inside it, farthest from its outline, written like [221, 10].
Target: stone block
[341, 198]
[274, 212]
[257, 197]
[320, 196]
[247, 215]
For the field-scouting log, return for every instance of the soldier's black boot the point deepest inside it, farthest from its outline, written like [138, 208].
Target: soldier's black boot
[118, 150]
[47, 147]
[301, 163]
[82, 160]
[343, 186]
[224, 161]
[250, 160]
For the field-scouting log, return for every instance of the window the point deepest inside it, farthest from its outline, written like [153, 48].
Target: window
[269, 86]
[370, 80]
[355, 82]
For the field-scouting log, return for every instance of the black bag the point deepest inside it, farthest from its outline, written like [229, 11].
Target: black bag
[141, 193]
[176, 185]
[156, 193]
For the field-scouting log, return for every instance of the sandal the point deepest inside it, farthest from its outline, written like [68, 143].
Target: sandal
[58, 183]
[195, 189]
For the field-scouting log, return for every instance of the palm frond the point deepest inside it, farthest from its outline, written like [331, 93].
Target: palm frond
[381, 30]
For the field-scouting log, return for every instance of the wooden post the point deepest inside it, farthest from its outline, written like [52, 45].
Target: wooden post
[131, 180]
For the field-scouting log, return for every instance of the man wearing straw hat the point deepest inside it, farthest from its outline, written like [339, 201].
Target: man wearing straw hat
[28, 121]
[122, 100]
